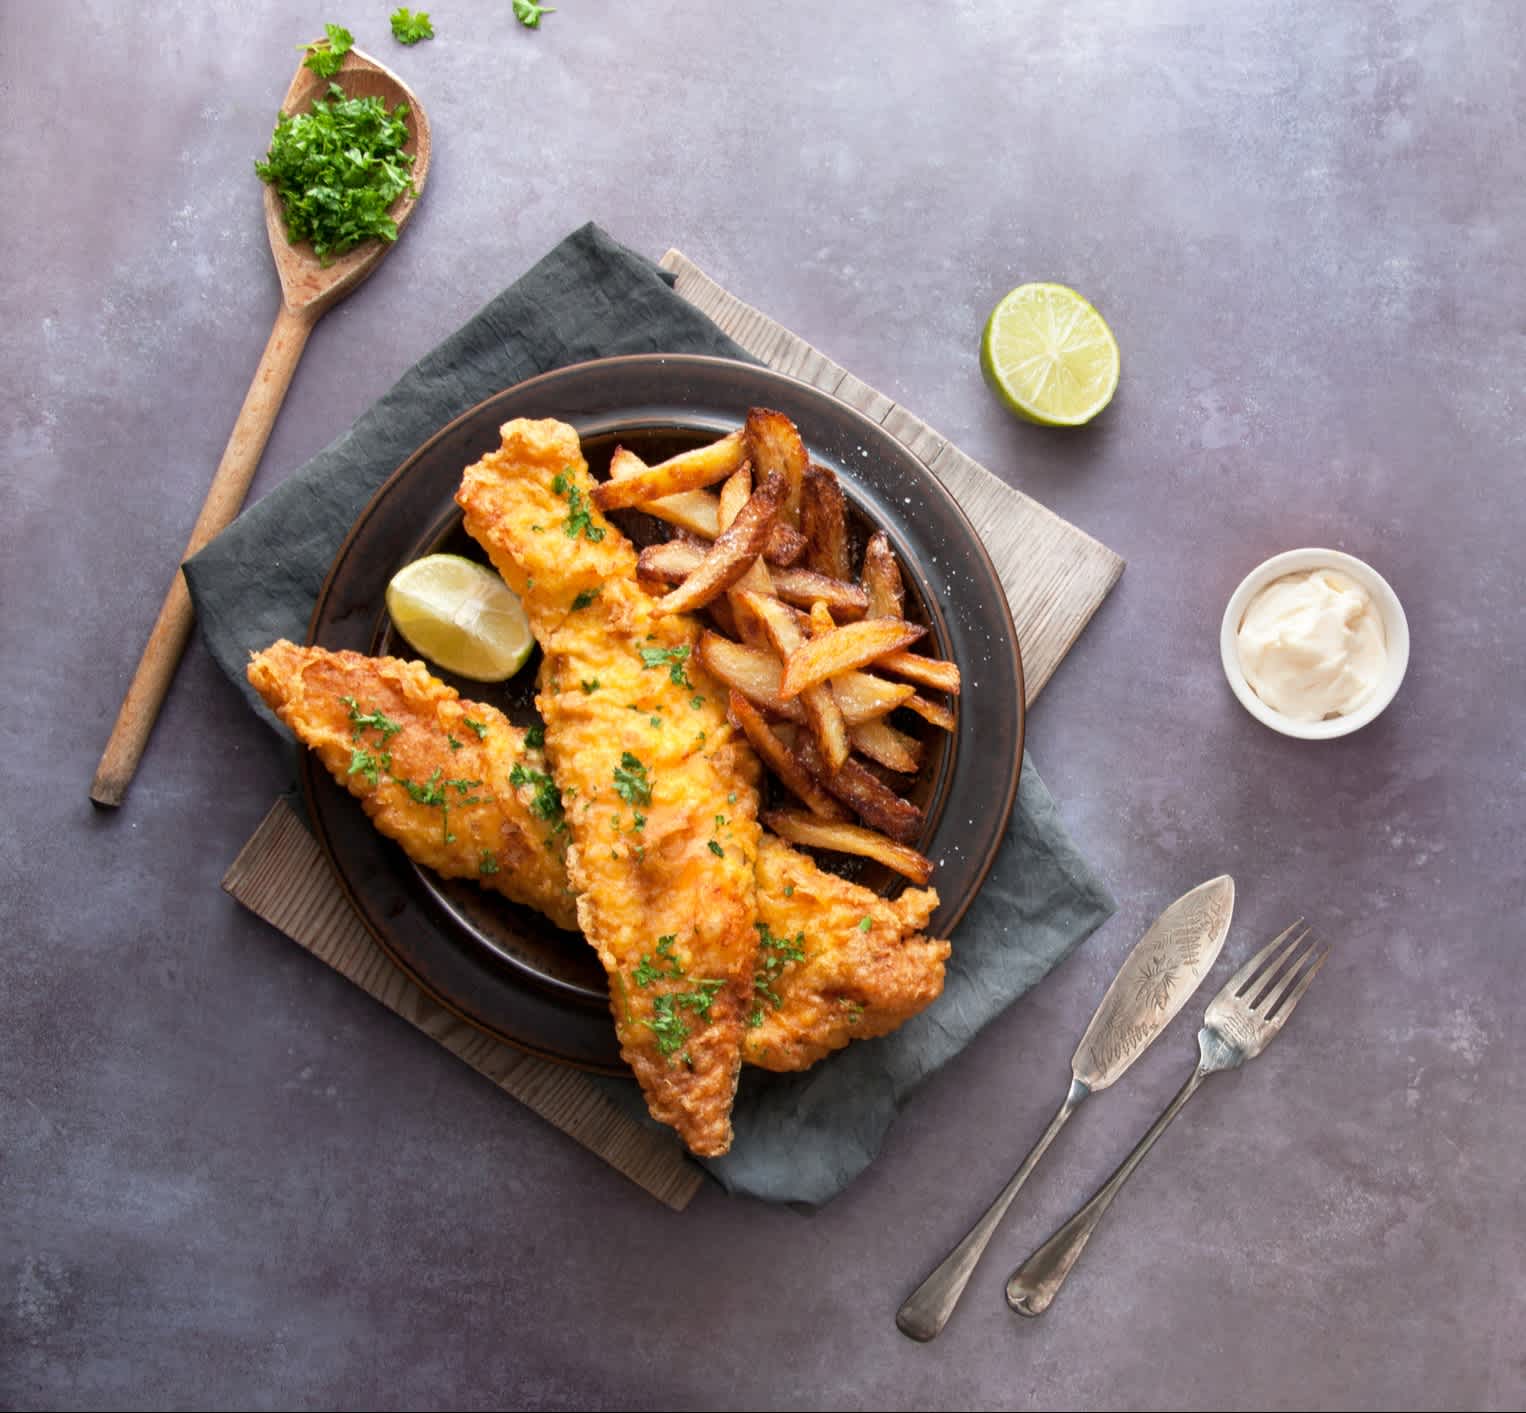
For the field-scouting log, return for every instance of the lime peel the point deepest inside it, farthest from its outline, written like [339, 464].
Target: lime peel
[461, 616]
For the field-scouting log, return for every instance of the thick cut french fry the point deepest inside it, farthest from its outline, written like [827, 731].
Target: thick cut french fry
[822, 622]
[931, 672]
[882, 578]
[853, 645]
[778, 758]
[785, 546]
[688, 471]
[754, 672]
[863, 792]
[893, 749]
[824, 521]
[695, 511]
[735, 493]
[798, 827]
[773, 444]
[862, 697]
[939, 715]
[674, 560]
[821, 709]
[735, 550]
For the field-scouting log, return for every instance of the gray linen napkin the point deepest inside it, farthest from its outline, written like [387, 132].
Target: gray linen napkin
[800, 1138]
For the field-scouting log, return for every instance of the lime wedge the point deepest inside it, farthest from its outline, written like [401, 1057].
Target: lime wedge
[461, 616]
[1049, 355]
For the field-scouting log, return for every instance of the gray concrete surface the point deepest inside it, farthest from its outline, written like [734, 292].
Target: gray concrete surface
[228, 1179]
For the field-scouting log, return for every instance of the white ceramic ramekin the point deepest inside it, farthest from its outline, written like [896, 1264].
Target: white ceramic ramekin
[1395, 630]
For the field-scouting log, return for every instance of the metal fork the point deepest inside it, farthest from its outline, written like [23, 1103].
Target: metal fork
[1242, 1020]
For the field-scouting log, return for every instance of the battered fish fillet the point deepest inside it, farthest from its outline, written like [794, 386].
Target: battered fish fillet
[838, 963]
[822, 979]
[660, 794]
[451, 781]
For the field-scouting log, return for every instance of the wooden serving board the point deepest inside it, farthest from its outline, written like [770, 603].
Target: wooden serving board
[1055, 576]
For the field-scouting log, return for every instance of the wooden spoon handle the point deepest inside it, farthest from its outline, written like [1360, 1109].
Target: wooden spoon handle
[172, 629]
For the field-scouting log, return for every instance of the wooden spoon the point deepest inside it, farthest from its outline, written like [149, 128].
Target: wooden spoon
[307, 290]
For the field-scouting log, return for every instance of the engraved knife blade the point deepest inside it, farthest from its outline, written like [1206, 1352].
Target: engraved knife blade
[1155, 981]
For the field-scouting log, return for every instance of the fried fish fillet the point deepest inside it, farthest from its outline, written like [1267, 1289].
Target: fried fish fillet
[452, 781]
[822, 978]
[838, 963]
[660, 794]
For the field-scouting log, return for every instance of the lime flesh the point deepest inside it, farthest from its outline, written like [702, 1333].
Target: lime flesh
[461, 616]
[1049, 355]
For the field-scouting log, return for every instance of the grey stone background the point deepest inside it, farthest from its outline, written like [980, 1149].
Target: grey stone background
[228, 1178]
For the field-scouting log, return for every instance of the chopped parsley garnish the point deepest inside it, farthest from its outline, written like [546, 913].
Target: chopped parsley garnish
[648, 972]
[487, 863]
[789, 890]
[670, 1027]
[451, 741]
[697, 701]
[865, 923]
[410, 26]
[855, 1009]
[584, 598]
[639, 820]
[731, 799]
[655, 721]
[369, 766]
[476, 726]
[338, 168]
[675, 657]
[716, 849]
[755, 1017]
[535, 737]
[325, 57]
[774, 954]
[579, 520]
[631, 783]
[720, 821]
[528, 12]
[431, 792]
[589, 686]
[547, 801]
[370, 721]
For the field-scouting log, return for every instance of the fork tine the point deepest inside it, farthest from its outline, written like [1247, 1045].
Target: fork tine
[1276, 972]
[1289, 996]
[1241, 979]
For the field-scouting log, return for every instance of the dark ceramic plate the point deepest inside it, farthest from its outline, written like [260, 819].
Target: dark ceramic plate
[504, 968]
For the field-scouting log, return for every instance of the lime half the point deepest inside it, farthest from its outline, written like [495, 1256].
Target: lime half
[461, 616]
[1049, 355]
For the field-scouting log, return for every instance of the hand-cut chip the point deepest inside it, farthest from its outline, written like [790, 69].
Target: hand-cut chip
[696, 511]
[861, 697]
[803, 587]
[798, 827]
[882, 579]
[893, 749]
[931, 672]
[777, 756]
[863, 792]
[785, 546]
[939, 715]
[735, 493]
[688, 471]
[853, 645]
[822, 621]
[754, 672]
[821, 709]
[673, 561]
[773, 444]
[735, 551]
[824, 519]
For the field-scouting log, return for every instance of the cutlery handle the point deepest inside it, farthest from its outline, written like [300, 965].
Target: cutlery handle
[172, 629]
[1034, 1284]
[927, 1309]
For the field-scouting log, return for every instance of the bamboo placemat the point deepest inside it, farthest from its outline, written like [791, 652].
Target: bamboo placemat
[1055, 576]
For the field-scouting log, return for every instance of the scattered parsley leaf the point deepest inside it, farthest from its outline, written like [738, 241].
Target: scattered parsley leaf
[589, 686]
[631, 783]
[369, 766]
[865, 923]
[487, 863]
[675, 657]
[716, 849]
[409, 26]
[547, 801]
[639, 820]
[697, 701]
[774, 954]
[325, 57]
[528, 12]
[584, 598]
[454, 744]
[755, 1017]
[476, 726]
[369, 721]
[579, 519]
[535, 737]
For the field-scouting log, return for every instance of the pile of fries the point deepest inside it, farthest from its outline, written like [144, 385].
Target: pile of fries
[815, 658]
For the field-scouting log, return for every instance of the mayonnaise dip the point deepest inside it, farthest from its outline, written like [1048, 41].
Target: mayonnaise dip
[1311, 645]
